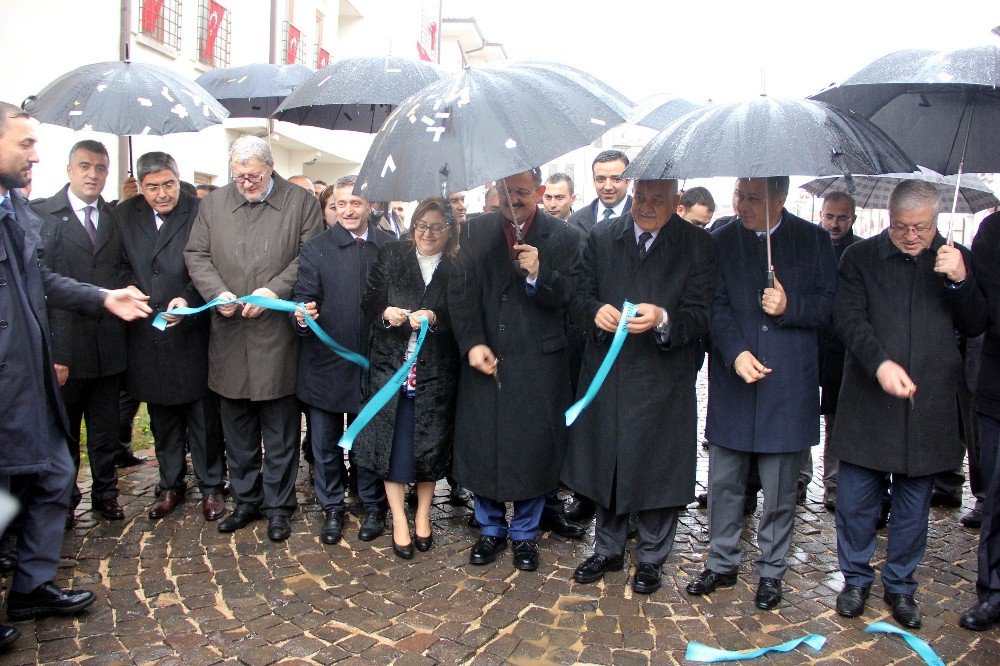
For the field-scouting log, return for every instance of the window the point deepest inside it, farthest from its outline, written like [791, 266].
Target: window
[294, 45]
[214, 32]
[161, 20]
[203, 178]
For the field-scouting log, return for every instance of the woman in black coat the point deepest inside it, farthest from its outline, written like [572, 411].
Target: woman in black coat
[410, 439]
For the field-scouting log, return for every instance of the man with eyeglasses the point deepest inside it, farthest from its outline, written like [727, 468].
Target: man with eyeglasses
[559, 197]
[169, 370]
[613, 199]
[245, 240]
[902, 296]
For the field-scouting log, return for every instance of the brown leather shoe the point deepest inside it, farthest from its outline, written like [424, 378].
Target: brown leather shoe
[109, 508]
[213, 506]
[165, 505]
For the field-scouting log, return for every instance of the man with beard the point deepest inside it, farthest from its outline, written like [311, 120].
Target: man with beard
[612, 199]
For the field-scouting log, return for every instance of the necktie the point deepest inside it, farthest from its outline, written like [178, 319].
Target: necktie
[88, 223]
[643, 240]
[359, 240]
[608, 214]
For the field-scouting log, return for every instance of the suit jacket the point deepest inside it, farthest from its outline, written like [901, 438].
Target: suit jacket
[780, 413]
[30, 400]
[509, 440]
[831, 350]
[164, 367]
[333, 271]
[986, 262]
[585, 218]
[92, 346]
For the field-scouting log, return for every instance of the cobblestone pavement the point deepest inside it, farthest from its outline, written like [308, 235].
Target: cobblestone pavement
[179, 592]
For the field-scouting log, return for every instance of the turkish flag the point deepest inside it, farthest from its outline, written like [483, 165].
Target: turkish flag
[322, 58]
[151, 15]
[292, 49]
[216, 13]
[422, 52]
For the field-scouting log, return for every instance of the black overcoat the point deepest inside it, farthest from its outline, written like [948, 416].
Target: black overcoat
[780, 413]
[986, 263]
[639, 436]
[395, 280]
[29, 392]
[509, 441]
[333, 271]
[164, 367]
[91, 346]
[831, 349]
[891, 306]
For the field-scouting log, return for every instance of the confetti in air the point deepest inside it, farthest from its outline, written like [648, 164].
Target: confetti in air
[510, 143]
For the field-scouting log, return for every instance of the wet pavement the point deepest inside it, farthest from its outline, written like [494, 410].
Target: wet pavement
[178, 592]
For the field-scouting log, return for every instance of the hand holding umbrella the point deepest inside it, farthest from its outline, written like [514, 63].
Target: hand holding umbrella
[774, 301]
[950, 264]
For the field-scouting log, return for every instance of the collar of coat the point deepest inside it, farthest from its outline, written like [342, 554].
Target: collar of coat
[60, 202]
[624, 229]
[275, 199]
[345, 238]
[886, 248]
[139, 203]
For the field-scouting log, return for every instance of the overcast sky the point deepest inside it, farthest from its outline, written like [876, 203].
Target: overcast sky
[715, 49]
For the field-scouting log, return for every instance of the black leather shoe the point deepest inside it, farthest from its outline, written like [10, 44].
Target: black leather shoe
[973, 519]
[459, 496]
[8, 553]
[485, 550]
[947, 500]
[830, 500]
[109, 508]
[8, 635]
[707, 581]
[904, 609]
[594, 567]
[580, 508]
[980, 617]
[525, 554]
[851, 600]
[768, 593]
[646, 579]
[130, 460]
[473, 523]
[242, 515]
[373, 526]
[702, 500]
[800, 491]
[403, 552]
[47, 599]
[278, 528]
[423, 544]
[883, 516]
[333, 527]
[556, 521]
[749, 504]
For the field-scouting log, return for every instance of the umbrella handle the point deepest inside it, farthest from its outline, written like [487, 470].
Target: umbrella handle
[770, 278]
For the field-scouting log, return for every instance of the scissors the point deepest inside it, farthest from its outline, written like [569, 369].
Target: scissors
[496, 372]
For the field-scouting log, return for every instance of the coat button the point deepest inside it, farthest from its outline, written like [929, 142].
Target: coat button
[156, 273]
[3, 366]
[423, 362]
[502, 327]
[3, 323]
[764, 328]
[3, 283]
[504, 297]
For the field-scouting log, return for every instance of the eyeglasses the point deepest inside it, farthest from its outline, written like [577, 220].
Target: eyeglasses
[830, 217]
[168, 187]
[425, 228]
[519, 192]
[905, 229]
[252, 178]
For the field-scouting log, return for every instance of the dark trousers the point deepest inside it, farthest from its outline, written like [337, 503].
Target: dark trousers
[263, 480]
[329, 475]
[196, 424]
[859, 495]
[45, 499]
[127, 409]
[988, 582]
[94, 401]
[492, 515]
[657, 528]
[952, 483]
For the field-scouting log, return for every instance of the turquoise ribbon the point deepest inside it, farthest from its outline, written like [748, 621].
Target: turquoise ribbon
[628, 311]
[384, 395]
[160, 321]
[699, 652]
[918, 645]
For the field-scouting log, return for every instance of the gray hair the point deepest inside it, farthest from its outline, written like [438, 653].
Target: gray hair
[348, 181]
[249, 147]
[153, 162]
[914, 193]
[560, 177]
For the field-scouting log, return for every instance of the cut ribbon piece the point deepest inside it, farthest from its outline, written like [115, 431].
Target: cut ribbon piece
[699, 652]
[384, 394]
[917, 644]
[160, 321]
[628, 311]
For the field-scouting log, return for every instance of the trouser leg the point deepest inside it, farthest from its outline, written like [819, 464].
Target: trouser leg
[859, 498]
[328, 458]
[127, 409]
[610, 532]
[74, 394]
[242, 429]
[168, 443]
[657, 528]
[779, 476]
[280, 429]
[830, 462]
[527, 516]
[205, 443]
[492, 516]
[911, 506]
[727, 481]
[101, 415]
[988, 555]
[806, 466]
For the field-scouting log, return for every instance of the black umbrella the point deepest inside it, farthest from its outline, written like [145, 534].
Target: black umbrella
[356, 94]
[253, 91]
[487, 123]
[658, 111]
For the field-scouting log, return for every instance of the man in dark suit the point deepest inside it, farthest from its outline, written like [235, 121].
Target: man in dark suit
[613, 199]
[763, 377]
[508, 295]
[82, 240]
[169, 370]
[333, 272]
[33, 431]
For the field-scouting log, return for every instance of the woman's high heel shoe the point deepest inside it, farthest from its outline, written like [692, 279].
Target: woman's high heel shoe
[402, 552]
[423, 544]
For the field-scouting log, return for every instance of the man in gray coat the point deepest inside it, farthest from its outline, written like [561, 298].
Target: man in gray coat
[246, 240]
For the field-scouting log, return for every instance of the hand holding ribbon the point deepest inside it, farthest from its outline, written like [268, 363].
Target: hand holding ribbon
[621, 332]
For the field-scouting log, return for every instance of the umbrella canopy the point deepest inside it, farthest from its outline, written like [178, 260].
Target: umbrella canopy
[356, 94]
[487, 123]
[658, 111]
[253, 91]
[126, 98]
[974, 195]
[768, 136]
[940, 107]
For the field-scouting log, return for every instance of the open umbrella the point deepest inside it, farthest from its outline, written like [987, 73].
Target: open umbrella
[253, 91]
[658, 111]
[356, 94]
[487, 123]
[873, 191]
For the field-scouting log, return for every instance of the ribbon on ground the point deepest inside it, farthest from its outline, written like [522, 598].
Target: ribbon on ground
[699, 652]
[160, 321]
[628, 311]
[384, 394]
[917, 644]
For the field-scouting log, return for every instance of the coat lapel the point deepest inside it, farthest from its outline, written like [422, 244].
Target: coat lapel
[105, 225]
[626, 237]
[174, 223]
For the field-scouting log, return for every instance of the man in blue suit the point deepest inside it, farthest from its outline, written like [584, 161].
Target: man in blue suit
[764, 377]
